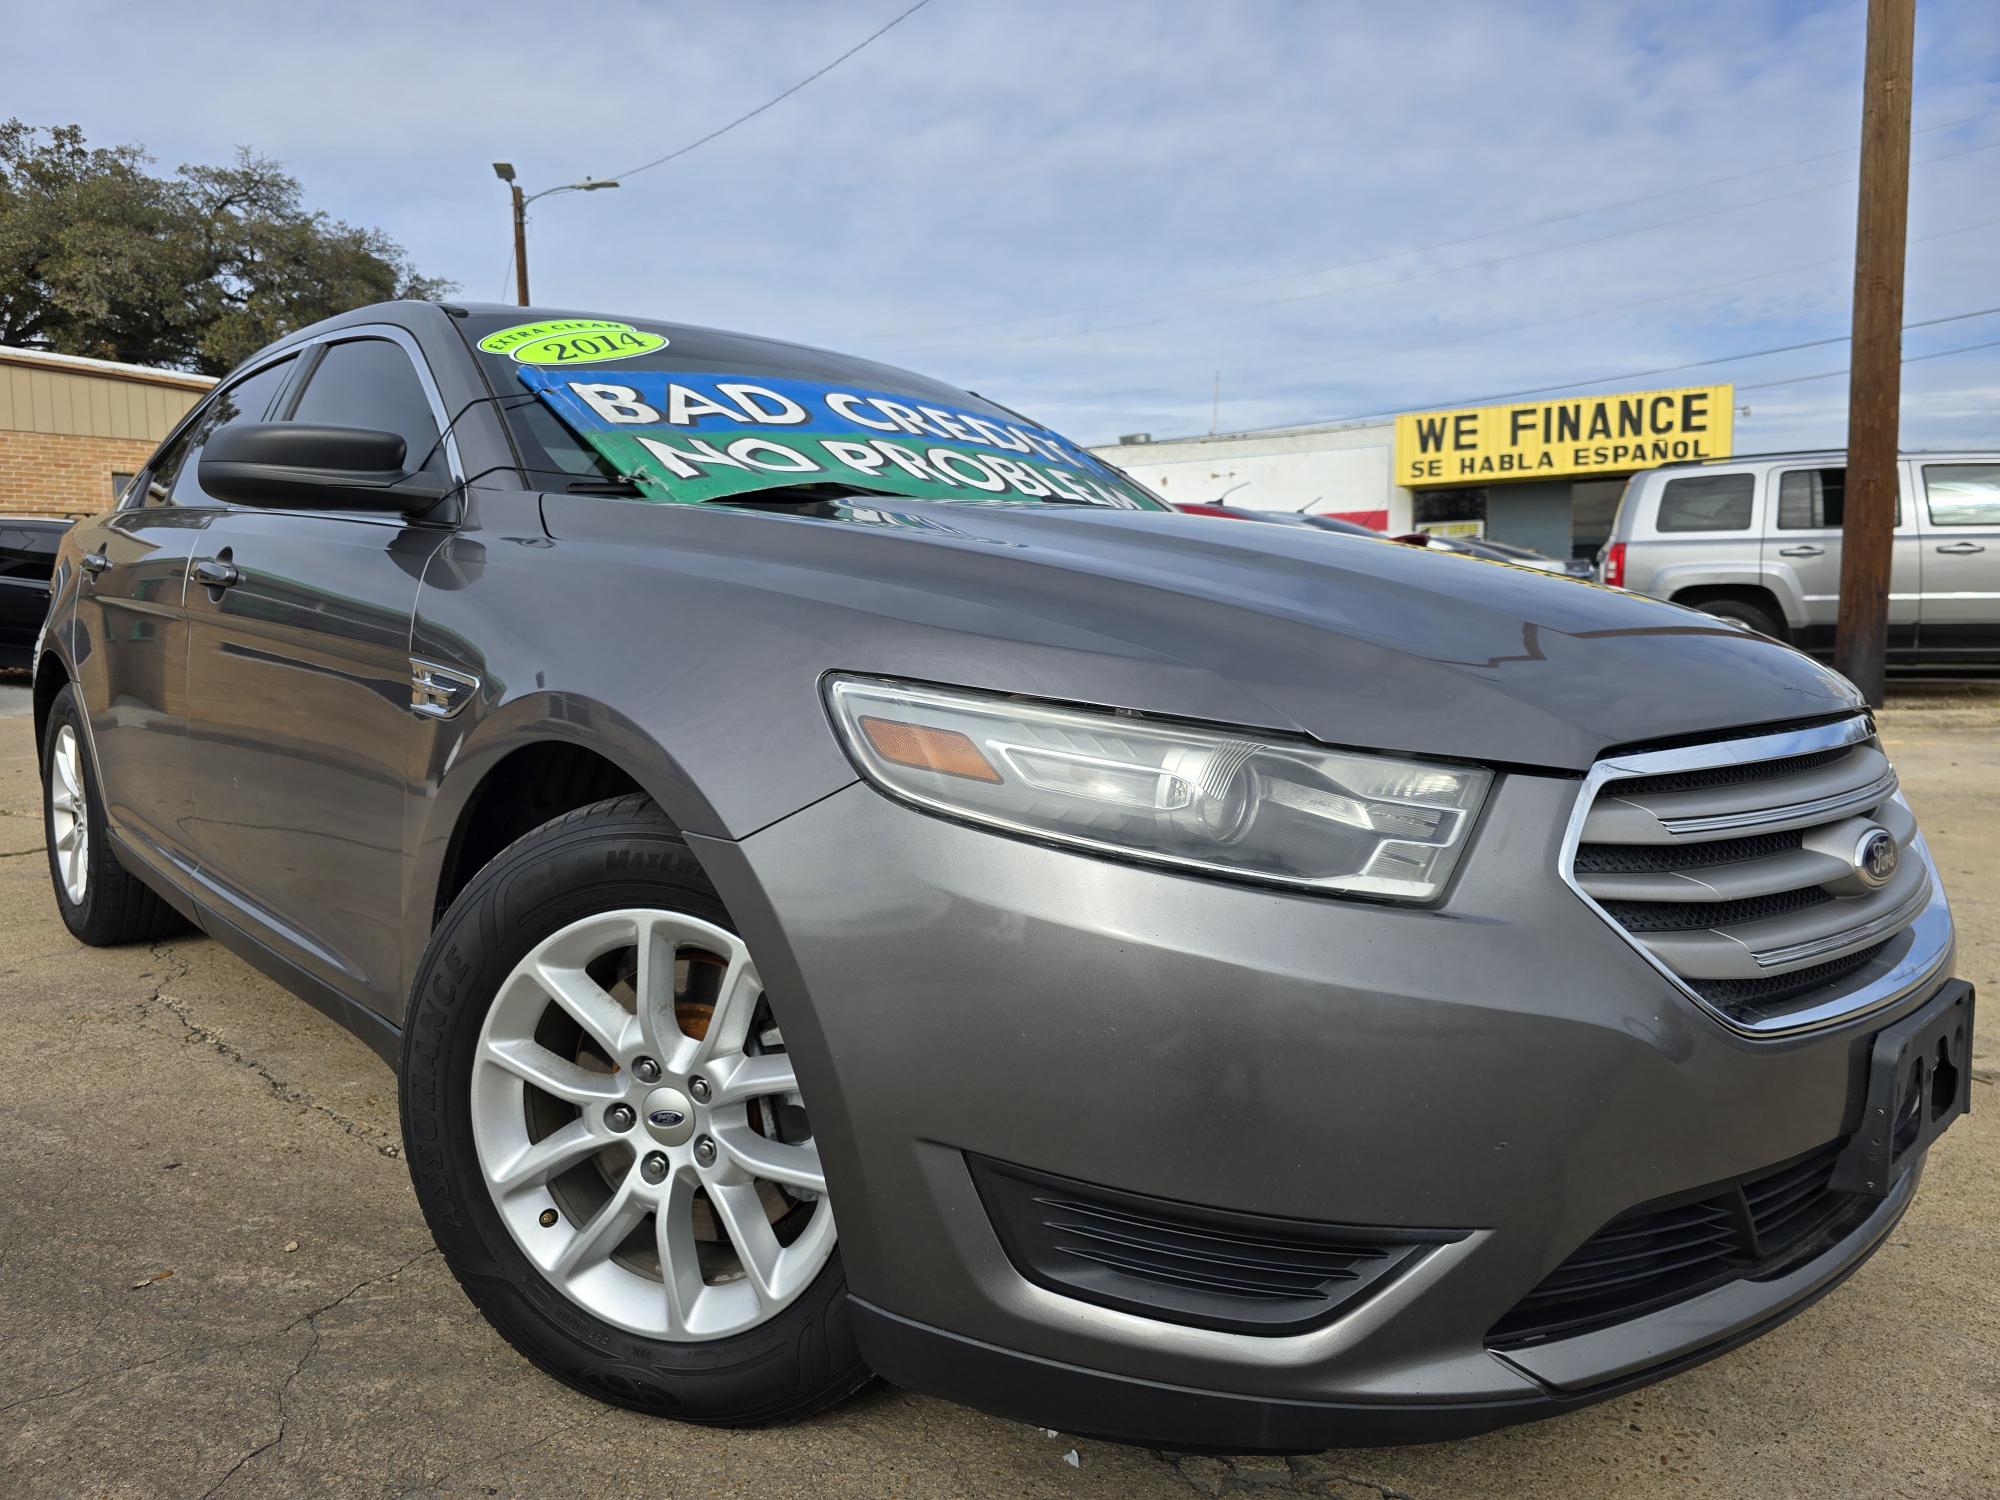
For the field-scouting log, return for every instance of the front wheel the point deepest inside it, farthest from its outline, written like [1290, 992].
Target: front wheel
[607, 1136]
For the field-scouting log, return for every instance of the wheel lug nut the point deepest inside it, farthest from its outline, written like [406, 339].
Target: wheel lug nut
[646, 1070]
[548, 1219]
[698, 1088]
[654, 1167]
[620, 1117]
[704, 1151]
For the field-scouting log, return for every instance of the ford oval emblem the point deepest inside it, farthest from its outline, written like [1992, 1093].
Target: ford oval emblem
[1876, 857]
[666, 1119]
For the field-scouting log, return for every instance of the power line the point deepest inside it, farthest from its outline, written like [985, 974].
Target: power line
[660, 161]
[1380, 355]
[1722, 359]
[1543, 390]
[1908, 359]
[1472, 265]
[1233, 286]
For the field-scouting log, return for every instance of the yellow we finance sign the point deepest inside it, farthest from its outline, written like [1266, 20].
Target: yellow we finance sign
[1551, 439]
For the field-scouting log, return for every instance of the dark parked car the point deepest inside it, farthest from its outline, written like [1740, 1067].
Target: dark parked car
[27, 559]
[1239, 988]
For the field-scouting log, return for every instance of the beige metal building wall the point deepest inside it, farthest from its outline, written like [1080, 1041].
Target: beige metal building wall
[70, 427]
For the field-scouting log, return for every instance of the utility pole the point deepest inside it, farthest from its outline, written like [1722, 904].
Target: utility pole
[505, 172]
[520, 244]
[1875, 381]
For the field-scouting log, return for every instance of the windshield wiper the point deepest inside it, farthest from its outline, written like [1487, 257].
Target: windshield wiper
[806, 494]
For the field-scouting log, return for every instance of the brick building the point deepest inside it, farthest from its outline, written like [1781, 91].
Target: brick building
[72, 430]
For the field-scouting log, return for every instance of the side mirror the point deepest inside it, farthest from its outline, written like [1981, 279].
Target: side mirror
[298, 466]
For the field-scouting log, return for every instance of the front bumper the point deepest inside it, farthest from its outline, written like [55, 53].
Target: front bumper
[1132, 1409]
[1505, 1067]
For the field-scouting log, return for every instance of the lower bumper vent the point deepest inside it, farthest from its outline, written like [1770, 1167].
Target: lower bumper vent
[1666, 1252]
[1180, 1263]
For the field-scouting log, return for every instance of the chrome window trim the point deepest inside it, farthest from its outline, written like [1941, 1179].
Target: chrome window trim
[1932, 939]
[134, 495]
[405, 340]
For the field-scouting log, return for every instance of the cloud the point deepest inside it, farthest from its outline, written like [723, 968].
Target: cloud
[1078, 180]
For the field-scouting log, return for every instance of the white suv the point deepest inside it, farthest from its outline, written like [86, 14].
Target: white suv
[1757, 540]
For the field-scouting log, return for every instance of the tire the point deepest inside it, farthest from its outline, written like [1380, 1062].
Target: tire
[102, 903]
[1741, 612]
[478, 995]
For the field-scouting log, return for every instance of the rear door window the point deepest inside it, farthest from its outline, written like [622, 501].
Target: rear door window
[175, 478]
[1963, 494]
[1816, 500]
[1707, 502]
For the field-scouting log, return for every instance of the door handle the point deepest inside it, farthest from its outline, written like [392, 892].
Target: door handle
[1801, 551]
[214, 574]
[95, 562]
[1962, 549]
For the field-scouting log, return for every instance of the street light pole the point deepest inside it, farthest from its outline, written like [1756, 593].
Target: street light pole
[520, 244]
[505, 172]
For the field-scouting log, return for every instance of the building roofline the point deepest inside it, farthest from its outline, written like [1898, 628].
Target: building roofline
[77, 364]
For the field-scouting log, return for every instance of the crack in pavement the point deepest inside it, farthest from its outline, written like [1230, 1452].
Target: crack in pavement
[431, 1486]
[1307, 1474]
[311, 1321]
[277, 1437]
[202, 1351]
[291, 1093]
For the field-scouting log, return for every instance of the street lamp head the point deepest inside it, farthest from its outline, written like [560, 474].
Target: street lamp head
[590, 185]
[504, 170]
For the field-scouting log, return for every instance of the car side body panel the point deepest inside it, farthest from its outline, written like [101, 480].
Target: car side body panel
[129, 662]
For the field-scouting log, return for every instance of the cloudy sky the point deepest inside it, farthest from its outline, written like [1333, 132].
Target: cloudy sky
[1089, 210]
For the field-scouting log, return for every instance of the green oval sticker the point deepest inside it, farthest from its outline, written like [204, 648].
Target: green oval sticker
[571, 341]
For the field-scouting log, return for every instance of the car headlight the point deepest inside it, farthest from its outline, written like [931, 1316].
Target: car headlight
[1241, 805]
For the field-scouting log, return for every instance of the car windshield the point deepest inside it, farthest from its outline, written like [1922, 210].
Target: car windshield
[659, 412]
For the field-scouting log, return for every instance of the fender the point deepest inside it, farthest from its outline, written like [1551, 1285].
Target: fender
[1777, 581]
[461, 761]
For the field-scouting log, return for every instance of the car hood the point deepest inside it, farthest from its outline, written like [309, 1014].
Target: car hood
[1352, 641]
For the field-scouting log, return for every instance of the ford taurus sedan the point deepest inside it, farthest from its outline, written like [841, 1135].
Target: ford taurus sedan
[852, 883]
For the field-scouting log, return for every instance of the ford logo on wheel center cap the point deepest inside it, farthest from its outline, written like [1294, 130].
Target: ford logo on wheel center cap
[1876, 856]
[668, 1115]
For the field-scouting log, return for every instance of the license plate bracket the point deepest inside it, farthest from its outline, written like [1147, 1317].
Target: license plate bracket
[1919, 1081]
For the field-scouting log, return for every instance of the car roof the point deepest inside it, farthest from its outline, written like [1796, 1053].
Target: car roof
[1781, 455]
[707, 346]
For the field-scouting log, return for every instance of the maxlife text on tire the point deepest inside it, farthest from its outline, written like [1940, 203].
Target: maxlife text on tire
[1234, 988]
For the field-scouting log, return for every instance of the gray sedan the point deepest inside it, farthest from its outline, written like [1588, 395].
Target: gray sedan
[852, 883]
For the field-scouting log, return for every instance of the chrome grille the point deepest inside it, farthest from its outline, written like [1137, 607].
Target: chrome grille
[1736, 869]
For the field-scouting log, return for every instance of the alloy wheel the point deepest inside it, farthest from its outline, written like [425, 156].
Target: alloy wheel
[640, 1129]
[69, 815]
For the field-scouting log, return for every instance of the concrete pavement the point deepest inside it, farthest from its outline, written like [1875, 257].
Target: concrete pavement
[214, 1280]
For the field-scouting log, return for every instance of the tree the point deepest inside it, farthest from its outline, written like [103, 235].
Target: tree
[100, 257]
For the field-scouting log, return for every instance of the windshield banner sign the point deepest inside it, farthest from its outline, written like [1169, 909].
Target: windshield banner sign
[693, 436]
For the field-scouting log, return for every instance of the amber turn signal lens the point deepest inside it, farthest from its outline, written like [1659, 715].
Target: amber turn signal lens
[928, 749]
